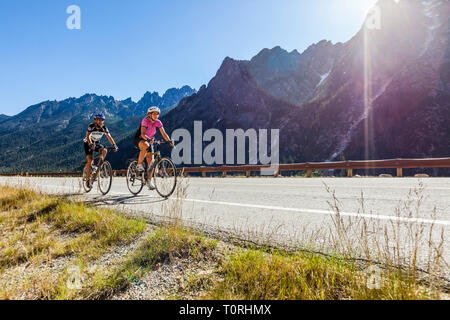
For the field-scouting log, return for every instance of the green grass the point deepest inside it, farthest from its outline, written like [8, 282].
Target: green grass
[258, 275]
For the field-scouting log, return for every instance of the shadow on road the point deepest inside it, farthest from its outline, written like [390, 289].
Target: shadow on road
[125, 200]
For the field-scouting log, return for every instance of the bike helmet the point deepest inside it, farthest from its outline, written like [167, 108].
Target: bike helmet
[99, 116]
[153, 109]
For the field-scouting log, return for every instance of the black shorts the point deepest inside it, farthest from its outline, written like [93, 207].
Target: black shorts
[138, 140]
[89, 152]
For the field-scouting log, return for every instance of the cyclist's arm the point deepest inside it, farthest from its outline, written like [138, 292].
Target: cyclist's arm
[164, 134]
[111, 140]
[88, 137]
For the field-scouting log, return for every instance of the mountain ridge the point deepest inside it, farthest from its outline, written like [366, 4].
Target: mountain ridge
[48, 136]
[345, 109]
[382, 94]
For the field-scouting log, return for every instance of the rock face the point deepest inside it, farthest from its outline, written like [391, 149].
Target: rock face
[412, 116]
[293, 77]
[383, 94]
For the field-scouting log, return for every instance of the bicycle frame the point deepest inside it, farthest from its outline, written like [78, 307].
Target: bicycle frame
[156, 158]
[99, 163]
[147, 175]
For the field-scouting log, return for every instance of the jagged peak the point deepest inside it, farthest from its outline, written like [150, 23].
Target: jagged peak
[128, 100]
[148, 93]
[321, 44]
[175, 90]
[273, 57]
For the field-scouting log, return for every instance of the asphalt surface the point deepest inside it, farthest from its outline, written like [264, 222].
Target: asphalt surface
[289, 211]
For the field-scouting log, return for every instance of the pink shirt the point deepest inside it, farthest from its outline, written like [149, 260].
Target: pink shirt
[151, 127]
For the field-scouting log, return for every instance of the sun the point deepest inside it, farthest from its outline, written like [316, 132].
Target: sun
[355, 9]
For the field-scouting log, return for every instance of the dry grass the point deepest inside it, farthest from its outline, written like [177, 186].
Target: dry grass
[406, 243]
[36, 229]
[39, 227]
[258, 275]
[162, 246]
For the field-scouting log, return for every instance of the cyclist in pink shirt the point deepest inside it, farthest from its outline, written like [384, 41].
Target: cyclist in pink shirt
[148, 131]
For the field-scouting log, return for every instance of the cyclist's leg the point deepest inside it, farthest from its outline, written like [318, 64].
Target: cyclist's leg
[143, 146]
[104, 152]
[89, 158]
[150, 152]
[149, 158]
[89, 161]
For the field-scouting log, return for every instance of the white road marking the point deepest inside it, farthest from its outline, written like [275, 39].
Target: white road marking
[306, 186]
[328, 212]
[299, 210]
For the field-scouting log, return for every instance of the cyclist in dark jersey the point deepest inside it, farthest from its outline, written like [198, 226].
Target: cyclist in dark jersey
[94, 134]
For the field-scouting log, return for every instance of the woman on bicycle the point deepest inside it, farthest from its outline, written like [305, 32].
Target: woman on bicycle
[144, 140]
[94, 133]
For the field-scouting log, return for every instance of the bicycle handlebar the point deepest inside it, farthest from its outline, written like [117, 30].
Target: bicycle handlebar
[159, 142]
[109, 148]
[162, 142]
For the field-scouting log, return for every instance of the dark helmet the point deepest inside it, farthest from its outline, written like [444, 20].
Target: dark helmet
[99, 116]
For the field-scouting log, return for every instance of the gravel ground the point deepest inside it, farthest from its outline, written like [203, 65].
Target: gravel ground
[179, 278]
[35, 276]
[30, 276]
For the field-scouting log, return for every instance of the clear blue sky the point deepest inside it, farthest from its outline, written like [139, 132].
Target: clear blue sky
[125, 48]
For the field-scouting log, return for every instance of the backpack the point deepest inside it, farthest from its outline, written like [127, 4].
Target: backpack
[136, 137]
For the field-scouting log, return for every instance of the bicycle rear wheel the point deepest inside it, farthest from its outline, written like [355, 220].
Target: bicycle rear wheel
[105, 177]
[165, 177]
[86, 188]
[135, 179]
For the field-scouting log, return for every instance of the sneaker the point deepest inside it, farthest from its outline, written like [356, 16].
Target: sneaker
[140, 167]
[150, 185]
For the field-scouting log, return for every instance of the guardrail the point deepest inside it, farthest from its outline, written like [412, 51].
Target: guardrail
[398, 164]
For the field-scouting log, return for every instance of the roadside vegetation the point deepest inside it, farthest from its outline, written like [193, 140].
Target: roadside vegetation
[55, 248]
[259, 275]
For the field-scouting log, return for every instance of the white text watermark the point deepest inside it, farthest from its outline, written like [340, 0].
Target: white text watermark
[73, 22]
[237, 147]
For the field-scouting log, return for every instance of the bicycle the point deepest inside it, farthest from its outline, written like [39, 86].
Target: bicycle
[101, 172]
[163, 172]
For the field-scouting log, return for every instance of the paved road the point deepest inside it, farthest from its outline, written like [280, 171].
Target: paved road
[285, 210]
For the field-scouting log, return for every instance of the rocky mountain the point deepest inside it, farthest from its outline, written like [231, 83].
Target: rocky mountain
[293, 77]
[411, 117]
[60, 113]
[3, 117]
[48, 136]
[383, 94]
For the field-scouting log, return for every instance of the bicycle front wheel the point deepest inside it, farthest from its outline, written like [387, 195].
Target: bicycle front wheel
[135, 179]
[105, 177]
[165, 177]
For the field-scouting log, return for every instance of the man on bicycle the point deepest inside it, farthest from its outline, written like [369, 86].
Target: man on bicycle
[94, 134]
[144, 140]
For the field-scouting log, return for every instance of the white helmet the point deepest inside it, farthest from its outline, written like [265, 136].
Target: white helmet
[153, 109]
